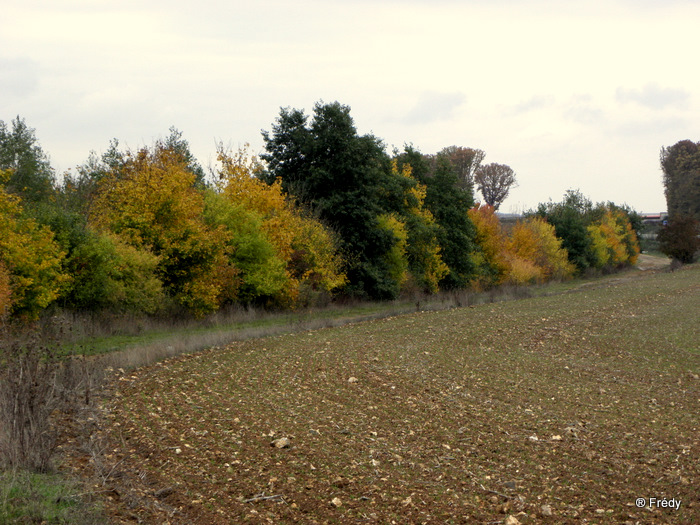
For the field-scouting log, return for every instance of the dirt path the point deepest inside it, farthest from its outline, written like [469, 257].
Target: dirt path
[652, 262]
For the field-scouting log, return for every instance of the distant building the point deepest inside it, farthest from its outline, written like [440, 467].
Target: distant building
[654, 218]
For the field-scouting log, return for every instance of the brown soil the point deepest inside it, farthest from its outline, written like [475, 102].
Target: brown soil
[561, 409]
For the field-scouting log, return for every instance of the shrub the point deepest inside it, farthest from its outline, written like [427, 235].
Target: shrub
[5, 293]
[110, 274]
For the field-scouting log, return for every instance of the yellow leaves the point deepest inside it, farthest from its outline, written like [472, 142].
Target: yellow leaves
[30, 257]
[535, 240]
[421, 247]
[532, 253]
[613, 240]
[491, 260]
[151, 202]
[396, 257]
[306, 247]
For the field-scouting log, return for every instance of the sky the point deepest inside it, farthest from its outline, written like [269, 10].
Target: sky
[570, 95]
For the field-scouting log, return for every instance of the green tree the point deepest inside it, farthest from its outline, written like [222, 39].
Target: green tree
[326, 165]
[110, 274]
[31, 175]
[449, 204]
[680, 164]
[570, 219]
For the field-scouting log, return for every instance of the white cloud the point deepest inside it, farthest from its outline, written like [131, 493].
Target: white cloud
[655, 97]
[433, 106]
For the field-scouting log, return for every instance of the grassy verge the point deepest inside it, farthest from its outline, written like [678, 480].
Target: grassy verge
[192, 335]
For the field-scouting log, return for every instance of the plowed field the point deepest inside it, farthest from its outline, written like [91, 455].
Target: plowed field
[559, 409]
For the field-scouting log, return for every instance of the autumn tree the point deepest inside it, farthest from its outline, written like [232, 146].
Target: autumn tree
[680, 164]
[534, 240]
[494, 181]
[151, 203]
[306, 259]
[613, 240]
[30, 259]
[599, 237]
[490, 259]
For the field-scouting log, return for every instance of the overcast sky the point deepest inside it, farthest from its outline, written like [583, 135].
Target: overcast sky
[571, 95]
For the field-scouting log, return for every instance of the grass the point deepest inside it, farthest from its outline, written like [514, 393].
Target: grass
[573, 403]
[93, 337]
[44, 498]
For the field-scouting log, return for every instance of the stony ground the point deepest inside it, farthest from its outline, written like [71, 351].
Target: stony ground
[559, 409]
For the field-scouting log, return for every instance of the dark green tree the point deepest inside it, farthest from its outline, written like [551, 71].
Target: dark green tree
[680, 164]
[570, 219]
[449, 201]
[32, 177]
[326, 165]
[680, 238]
[449, 204]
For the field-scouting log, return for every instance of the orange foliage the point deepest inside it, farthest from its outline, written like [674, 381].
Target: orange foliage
[492, 260]
[534, 240]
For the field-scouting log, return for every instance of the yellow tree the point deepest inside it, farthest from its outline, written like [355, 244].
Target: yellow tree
[613, 240]
[421, 246]
[151, 202]
[308, 249]
[491, 259]
[535, 240]
[30, 260]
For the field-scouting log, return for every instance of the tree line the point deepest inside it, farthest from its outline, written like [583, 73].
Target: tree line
[322, 212]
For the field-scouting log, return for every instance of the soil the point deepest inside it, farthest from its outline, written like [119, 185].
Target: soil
[562, 409]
